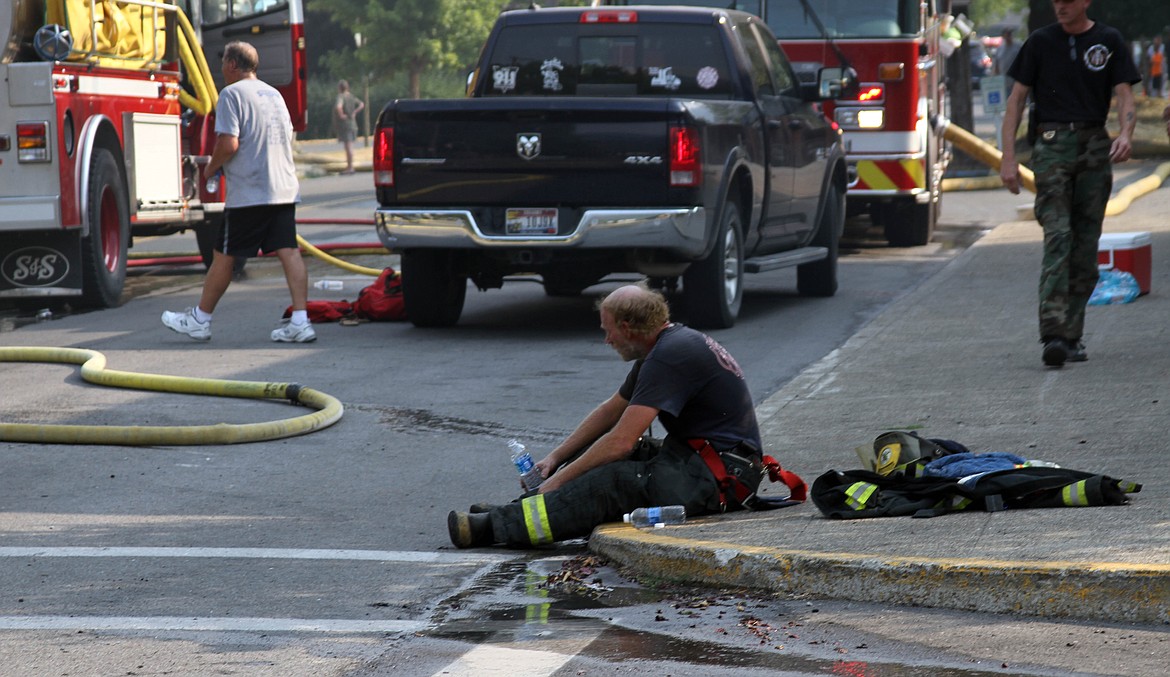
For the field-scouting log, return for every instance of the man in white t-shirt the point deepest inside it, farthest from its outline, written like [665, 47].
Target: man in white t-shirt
[253, 148]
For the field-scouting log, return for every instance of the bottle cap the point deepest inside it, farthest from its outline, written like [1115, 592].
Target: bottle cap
[626, 518]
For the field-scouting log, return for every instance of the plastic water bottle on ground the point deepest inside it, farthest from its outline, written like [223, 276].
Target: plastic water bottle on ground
[329, 284]
[656, 517]
[529, 473]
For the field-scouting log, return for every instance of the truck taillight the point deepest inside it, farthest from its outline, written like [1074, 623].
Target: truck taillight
[32, 142]
[384, 157]
[685, 169]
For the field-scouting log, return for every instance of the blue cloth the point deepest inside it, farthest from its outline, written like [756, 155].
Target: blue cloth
[962, 465]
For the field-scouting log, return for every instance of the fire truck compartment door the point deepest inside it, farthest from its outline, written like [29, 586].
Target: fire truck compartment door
[154, 165]
[30, 84]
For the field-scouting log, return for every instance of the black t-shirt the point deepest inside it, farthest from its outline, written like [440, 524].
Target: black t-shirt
[698, 388]
[1072, 76]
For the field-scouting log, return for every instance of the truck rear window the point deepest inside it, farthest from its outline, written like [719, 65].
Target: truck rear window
[575, 60]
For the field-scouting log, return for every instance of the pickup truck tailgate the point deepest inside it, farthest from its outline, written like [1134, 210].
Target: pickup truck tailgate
[585, 151]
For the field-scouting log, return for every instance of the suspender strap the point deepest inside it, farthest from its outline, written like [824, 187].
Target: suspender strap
[743, 494]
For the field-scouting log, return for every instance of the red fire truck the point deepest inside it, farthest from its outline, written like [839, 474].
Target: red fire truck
[895, 155]
[106, 116]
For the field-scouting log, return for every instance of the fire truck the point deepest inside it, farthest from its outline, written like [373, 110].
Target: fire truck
[106, 118]
[896, 156]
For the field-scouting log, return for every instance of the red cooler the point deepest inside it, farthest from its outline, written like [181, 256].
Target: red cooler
[1130, 252]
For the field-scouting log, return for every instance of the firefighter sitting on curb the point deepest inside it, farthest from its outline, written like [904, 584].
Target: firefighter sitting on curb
[682, 377]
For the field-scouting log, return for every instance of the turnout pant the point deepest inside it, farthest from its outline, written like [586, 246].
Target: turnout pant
[673, 475]
[1073, 182]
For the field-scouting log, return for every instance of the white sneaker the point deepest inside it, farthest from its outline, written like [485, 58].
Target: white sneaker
[185, 323]
[288, 332]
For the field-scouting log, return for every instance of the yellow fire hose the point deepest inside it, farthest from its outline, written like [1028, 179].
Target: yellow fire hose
[352, 267]
[991, 156]
[328, 408]
[983, 152]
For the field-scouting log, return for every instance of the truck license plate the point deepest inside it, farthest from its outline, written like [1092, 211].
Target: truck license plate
[530, 221]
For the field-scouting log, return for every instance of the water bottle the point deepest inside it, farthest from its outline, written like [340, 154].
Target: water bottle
[529, 473]
[329, 284]
[213, 181]
[657, 517]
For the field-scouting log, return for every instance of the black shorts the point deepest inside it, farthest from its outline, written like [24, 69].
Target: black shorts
[263, 228]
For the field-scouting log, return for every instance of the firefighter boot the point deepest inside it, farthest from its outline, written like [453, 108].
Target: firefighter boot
[470, 530]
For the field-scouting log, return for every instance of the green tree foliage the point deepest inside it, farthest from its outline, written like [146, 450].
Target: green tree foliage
[411, 37]
[988, 11]
[1136, 19]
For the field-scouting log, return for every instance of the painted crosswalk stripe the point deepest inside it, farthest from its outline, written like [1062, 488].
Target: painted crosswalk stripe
[197, 624]
[262, 553]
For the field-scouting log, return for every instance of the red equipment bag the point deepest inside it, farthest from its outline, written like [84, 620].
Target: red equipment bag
[325, 311]
[382, 300]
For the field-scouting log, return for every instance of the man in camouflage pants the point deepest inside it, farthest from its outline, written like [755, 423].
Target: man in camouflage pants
[1071, 69]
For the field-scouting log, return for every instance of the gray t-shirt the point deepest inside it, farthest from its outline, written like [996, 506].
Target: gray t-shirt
[262, 171]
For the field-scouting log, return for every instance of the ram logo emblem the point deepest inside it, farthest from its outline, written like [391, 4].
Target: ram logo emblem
[528, 145]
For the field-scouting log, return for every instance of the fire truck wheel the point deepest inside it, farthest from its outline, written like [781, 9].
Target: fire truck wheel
[434, 287]
[713, 287]
[103, 250]
[819, 278]
[909, 224]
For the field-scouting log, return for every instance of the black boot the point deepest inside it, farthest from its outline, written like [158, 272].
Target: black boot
[1055, 352]
[470, 530]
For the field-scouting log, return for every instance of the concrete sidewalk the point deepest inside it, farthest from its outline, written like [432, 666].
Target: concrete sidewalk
[959, 358]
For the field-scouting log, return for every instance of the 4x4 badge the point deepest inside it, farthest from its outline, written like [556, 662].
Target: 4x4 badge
[528, 145]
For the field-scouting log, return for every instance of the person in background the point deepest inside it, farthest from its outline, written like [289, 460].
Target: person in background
[253, 148]
[606, 467]
[1157, 58]
[1072, 69]
[1005, 55]
[345, 112]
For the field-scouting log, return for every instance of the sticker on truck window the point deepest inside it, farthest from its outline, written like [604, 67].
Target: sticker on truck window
[707, 77]
[550, 70]
[504, 77]
[663, 76]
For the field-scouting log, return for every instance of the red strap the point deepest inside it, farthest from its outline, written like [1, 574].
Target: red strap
[797, 489]
[714, 464]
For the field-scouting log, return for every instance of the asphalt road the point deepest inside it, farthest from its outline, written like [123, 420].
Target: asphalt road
[322, 553]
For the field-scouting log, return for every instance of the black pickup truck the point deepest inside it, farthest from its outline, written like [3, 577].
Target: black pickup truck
[675, 143]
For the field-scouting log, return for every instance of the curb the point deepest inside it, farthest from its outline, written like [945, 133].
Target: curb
[1098, 591]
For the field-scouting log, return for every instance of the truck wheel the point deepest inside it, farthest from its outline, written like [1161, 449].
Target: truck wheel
[819, 278]
[909, 224]
[433, 287]
[103, 250]
[713, 287]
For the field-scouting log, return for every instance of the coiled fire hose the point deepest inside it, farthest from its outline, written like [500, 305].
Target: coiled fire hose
[328, 408]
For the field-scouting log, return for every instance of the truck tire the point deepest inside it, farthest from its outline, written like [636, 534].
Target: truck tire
[819, 278]
[908, 223]
[713, 287]
[433, 287]
[103, 250]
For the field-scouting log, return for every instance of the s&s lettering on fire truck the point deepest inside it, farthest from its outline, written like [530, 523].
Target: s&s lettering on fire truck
[896, 157]
[106, 117]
